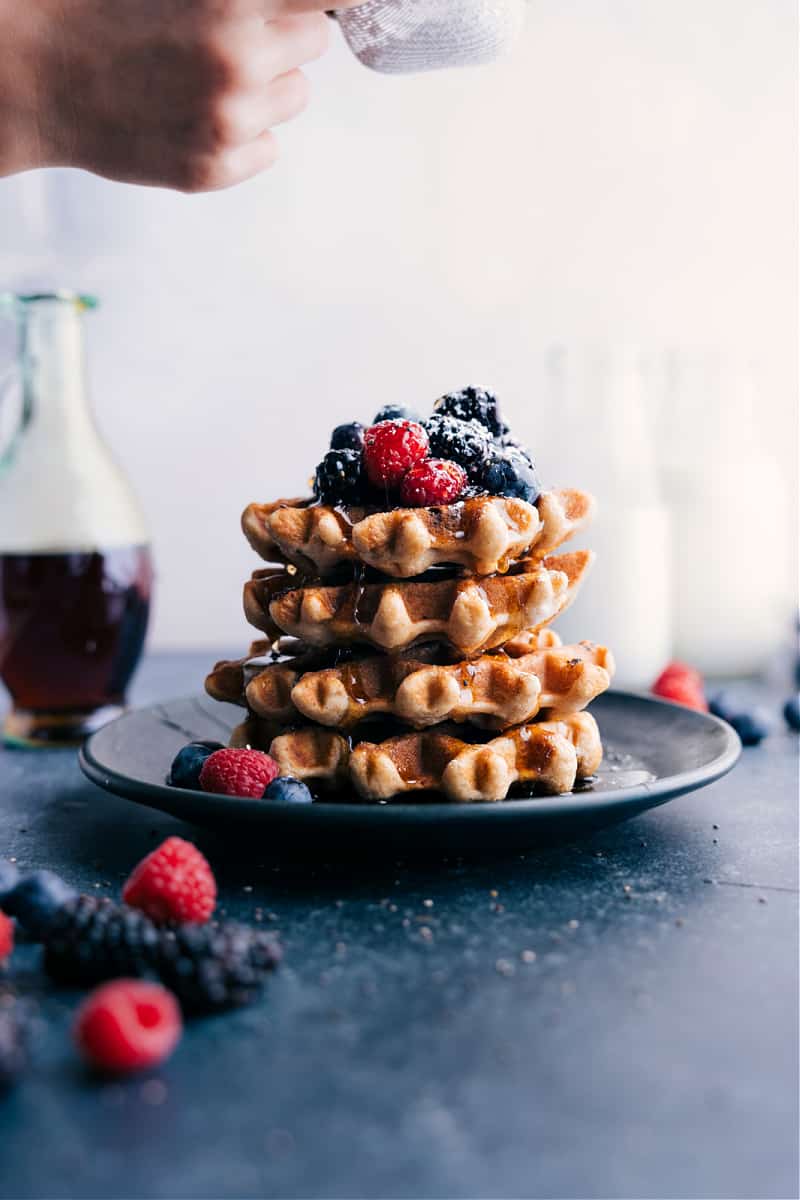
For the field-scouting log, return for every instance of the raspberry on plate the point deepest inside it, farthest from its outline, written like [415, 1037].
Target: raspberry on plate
[173, 884]
[392, 448]
[6, 937]
[238, 773]
[681, 684]
[433, 482]
[127, 1025]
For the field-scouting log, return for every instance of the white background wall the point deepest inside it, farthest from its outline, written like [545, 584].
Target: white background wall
[628, 177]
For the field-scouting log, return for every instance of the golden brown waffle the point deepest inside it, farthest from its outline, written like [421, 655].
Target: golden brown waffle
[493, 690]
[470, 614]
[548, 754]
[484, 533]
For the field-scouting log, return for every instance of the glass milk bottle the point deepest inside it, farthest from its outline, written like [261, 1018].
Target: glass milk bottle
[75, 567]
[599, 408]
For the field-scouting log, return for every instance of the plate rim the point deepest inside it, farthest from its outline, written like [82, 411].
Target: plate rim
[657, 791]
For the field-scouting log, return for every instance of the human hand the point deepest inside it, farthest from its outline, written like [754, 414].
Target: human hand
[173, 93]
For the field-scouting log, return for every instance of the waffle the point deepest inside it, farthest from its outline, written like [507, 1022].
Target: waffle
[492, 690]
[548, 754]
[483, 534]
[471, 615]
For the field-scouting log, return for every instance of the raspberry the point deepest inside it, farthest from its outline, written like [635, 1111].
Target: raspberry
[682, 685]
[433, 482]
[173, 884]
[391, 448]
[6, 937]
[127, 1025]
[238, 773]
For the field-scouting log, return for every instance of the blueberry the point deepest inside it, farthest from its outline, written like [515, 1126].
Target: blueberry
[348, 437]
[791, 712]
[36, 899]
[289, 791]
[462, 442]
[722, 706]
[188, 763]
[395, 412]
[507, 473]
[512, 443]
[8, 877]
[340, 477]
[473, 404]
[752, 727]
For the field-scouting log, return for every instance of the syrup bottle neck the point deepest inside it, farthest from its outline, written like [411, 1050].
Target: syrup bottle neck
[53, 367]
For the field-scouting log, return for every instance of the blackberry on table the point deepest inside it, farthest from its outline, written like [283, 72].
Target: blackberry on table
[473, 404]
[462, 442]
[340, 477]
[209, 967]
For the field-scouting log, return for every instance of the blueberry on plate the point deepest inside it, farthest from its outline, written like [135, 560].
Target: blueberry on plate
[340, 477]
[462, 442]
[507, 473]
[791, 712]
[288, 790]
[395, 412]
[752, 727]
[348, 437]
[473, 404]
[188, 763]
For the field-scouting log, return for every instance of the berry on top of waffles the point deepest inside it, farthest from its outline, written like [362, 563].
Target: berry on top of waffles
[395, 412]
[473, 404]
[340, 477]
[348, 437]
[464, 442]
[392, 448]
[433, 482]
[509, 472]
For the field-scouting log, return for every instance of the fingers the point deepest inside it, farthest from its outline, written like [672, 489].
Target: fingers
[287, 97]
[212, 173]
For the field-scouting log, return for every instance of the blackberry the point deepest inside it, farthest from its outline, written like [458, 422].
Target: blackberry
[14, 1038]
[340, 477]
[462, 442]
[208, 967]
[508, 473]
[395, 412]
[473, 404]
[348, 437]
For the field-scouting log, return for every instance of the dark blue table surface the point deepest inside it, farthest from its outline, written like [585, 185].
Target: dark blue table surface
[407, 1048]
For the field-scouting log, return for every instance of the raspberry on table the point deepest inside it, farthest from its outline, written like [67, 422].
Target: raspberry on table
[6, 937]
[463, 442]
[173, 884]
[127, 1025]
[339, 478]
[473, 404]
[234, 772]
[681, 684]
[391, 449]
[433, 482]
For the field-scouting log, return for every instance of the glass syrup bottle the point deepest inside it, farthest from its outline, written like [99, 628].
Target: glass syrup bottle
[75, 564]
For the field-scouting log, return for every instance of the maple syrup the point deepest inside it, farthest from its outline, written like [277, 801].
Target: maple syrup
[72, 629]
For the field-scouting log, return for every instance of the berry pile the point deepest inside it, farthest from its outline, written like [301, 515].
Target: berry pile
[684, 685]
[229, 771]
[157, 955]
[463, 448]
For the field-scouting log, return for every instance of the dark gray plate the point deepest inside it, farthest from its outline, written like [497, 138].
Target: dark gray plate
[654, 751]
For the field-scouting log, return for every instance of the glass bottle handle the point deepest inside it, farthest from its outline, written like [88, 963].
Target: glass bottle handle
[10, 375]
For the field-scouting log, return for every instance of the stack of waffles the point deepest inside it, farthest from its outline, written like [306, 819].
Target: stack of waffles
[409, 649]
